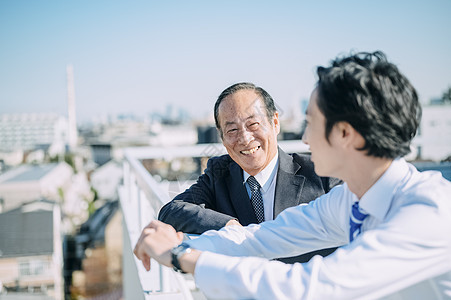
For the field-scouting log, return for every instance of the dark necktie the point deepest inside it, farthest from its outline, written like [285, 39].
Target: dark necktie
[256, 199]
[356, 220]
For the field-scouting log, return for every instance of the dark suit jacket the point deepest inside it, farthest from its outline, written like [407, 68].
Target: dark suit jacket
[219, 195]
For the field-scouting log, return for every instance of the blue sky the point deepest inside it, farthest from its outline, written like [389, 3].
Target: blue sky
[140, 56]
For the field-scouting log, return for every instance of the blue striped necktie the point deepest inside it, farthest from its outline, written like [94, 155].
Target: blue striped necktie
[256, 198]
[356, 220]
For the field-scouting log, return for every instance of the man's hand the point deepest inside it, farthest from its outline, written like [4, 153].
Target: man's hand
[156, 241]
[233, 222]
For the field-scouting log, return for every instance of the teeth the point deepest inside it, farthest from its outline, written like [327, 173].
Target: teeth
[247, 152]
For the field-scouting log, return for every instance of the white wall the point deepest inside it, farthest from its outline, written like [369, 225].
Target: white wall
[434, 139]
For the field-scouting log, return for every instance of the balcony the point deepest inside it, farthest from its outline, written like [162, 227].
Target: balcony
[141, 197]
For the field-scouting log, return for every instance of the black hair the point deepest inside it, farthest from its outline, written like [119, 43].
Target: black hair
[267, 100]
[370, 94]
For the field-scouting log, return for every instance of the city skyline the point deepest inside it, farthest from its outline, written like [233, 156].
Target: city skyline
[141, 57]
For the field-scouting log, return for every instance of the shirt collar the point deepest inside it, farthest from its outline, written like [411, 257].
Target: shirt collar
[377, 200]
[266, 174]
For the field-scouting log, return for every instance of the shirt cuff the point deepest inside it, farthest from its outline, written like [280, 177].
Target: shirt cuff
[202, 244]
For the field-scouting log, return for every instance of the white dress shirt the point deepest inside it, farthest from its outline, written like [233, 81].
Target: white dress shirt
[404, 250]
[267, 180]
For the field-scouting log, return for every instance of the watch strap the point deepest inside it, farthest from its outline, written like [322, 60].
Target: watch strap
[176, 253]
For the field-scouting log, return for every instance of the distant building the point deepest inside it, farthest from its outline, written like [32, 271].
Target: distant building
[174, 135]
[31, 251]
[28, 131]
[207, 134]
[106, 180]
[12, 158]
[101, 153]
[291, 122]
[35, 157]
[31, 182]
[121, 133]
[433, 141]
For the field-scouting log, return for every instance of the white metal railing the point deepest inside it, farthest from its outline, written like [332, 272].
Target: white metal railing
[141, 198]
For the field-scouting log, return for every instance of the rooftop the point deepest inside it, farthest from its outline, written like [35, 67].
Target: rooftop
[31, 173]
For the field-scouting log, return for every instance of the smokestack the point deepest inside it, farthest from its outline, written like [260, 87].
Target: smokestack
[73, 134]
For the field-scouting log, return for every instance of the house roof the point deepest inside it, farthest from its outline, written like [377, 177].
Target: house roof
[25, 232]
[31, 173]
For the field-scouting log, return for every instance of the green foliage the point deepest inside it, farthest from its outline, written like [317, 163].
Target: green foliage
[69, 159]
[91, 208]
[91, 201]
[54, 159]
[95, 193]
[61, 194]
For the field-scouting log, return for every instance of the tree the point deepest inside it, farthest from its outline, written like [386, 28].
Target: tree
[447, 95]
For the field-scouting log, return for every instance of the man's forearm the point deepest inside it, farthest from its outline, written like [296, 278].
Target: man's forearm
[191, 218]
[188, 261]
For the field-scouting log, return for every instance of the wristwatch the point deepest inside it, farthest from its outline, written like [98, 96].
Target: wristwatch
[177, 252]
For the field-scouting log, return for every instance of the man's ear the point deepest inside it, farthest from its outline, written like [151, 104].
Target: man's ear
[342, 129]
[349, 136]
[276, 122]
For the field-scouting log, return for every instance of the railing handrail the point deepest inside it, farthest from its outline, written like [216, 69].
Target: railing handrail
[145, 181]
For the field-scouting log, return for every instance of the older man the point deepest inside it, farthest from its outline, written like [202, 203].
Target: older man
[256, 180]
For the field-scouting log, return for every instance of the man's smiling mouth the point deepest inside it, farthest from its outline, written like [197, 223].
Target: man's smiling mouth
[250, 151]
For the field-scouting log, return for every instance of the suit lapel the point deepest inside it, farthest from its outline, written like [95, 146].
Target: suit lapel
[238, 195]
[288, 184]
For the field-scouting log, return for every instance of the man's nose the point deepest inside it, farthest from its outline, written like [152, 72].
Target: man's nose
[245, 137]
